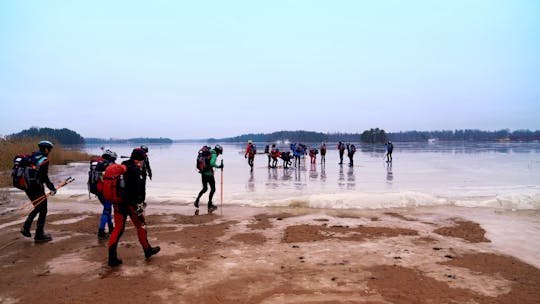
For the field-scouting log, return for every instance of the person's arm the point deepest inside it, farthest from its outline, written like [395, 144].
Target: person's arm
[147, 162]
[44, 174]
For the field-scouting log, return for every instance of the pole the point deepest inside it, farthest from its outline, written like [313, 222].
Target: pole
[44, 197]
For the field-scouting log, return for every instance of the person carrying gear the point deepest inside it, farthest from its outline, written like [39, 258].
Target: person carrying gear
[389, 149]
[146, 170]
[341, 149]
[313, 155]
[251, 150]
[351, 149]
[36, 189]
[207, 177]
[131, 205]
[106, 216]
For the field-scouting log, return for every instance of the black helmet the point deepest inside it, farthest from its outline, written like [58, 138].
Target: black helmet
[218, 149]
[45, 144]
[110, 155]
[138, 154]
[145, 148]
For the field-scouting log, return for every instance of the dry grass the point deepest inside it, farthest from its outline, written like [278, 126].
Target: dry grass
[9, 148]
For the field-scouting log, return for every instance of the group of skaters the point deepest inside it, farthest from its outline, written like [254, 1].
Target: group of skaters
[132, 179]
[297, 152]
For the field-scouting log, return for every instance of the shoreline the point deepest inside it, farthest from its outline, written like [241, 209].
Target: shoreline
[279, 255]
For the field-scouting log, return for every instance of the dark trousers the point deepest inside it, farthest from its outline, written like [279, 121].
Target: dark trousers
[341, 156]
[207, 180]
[41, 209]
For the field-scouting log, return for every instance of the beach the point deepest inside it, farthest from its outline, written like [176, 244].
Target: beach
[239, 254]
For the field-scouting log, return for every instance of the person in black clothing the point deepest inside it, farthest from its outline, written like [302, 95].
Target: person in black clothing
[389, 149]
[207, 178]
[132, 205]
[341, 149]
[146, 170]
[35, 189]
[351, 149]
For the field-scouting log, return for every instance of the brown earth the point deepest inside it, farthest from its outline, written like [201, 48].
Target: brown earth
[265, 256]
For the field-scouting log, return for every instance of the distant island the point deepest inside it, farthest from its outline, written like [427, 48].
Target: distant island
[376, 135]
[138, 140]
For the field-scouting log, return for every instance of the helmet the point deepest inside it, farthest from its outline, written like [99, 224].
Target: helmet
[218, 149]
[45, 144]
[145, 148]
[138, 154]
[249, 141]
[109, 155]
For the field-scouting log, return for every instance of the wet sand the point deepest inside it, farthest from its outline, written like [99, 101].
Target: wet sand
[282, 255]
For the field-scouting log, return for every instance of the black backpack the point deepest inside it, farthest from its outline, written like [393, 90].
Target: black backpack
[203, 159]
[25, 170]
[97, 169]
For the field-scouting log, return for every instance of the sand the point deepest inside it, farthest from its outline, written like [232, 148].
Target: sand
[277, 255]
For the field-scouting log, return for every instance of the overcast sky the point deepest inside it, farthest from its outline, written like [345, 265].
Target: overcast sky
[198, 69]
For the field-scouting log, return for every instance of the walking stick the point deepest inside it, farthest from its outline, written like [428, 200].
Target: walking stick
[221, 191]
[44, 197]
[39, 199]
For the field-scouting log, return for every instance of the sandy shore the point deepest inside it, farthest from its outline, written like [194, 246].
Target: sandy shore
[285, 255]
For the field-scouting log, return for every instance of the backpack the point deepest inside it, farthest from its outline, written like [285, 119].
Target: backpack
[253, 150]
[203, 159]
[97, 169]
[25, 170]
[353, 148]
[112, 184]
[20, 161]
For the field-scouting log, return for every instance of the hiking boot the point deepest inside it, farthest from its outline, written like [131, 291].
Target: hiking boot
[42, 238]
[26, 232]
[151, 251]
[212, 208]
[102, 235]
[114, 261]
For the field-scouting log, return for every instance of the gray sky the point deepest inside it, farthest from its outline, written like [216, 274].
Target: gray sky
[197, 69]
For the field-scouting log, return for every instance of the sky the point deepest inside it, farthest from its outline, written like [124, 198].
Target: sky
[200, 69]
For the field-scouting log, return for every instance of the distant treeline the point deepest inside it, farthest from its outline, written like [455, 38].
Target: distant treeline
[377, 135]
[139, 140]
[62, 136]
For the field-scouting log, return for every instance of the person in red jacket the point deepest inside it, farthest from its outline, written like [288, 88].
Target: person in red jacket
[132, 206]
[251, 150]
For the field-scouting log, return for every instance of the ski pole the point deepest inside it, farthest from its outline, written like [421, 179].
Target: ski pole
[39, 199]
[221, 191]
[44, 197]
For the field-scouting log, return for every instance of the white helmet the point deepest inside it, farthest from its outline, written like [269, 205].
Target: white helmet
[112, 155]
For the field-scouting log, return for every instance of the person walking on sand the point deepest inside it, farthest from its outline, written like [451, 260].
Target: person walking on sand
[207, 177]
[389, 149]
[146, 170]
[341, 149]
[131, 205]
[35, 189]
[251, 150]
[109, 157]
[323, 153]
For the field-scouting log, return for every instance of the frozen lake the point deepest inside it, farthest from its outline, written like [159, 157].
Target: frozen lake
[499, 175]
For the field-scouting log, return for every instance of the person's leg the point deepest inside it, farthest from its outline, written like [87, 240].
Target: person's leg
[119, 226]
[204, 189]
[104, 219]
[40, 229]
[211, 180]
[32, 196]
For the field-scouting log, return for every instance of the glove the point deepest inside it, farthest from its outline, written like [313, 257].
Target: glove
[140, 209]
[53, 192]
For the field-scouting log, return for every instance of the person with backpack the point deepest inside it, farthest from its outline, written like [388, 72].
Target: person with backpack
[274, 155]
[341, 149]
[207, 177]
[97, 168]
[251, 150]
[323, 153]
[131, 204]
[351, 149]
[313, 155]
[37, 174]
[389, 149]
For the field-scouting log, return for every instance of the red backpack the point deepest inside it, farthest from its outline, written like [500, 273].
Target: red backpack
[112, 185]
